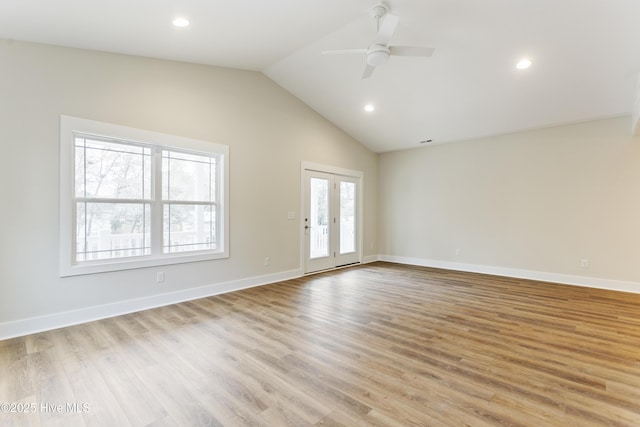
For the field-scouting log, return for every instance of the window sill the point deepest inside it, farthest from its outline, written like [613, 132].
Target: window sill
[105, 266]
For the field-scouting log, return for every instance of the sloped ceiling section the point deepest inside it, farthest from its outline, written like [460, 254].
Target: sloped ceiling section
[585, 61]
[585, 56]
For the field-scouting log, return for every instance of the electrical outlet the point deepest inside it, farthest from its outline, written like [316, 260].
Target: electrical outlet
[160, 276]
[267, 261]
[584, 263]
[458, 252]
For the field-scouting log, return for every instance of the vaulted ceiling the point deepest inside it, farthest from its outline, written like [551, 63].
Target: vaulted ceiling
[585, 56]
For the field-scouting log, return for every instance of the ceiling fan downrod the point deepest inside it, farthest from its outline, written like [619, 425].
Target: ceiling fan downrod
[378, 11]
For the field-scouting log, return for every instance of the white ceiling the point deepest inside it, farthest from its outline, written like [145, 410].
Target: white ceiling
[586, 56]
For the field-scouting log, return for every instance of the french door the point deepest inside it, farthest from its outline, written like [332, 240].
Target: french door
[331, 229]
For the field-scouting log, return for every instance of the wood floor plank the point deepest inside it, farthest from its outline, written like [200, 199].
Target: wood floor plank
[374, 345]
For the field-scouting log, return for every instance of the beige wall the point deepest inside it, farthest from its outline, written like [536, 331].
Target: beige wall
[269, 133]
[538, 201]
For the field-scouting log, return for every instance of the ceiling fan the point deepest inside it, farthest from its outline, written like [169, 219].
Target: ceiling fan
[379, 51]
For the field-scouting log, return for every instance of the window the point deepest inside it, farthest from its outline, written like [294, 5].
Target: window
[131, 198]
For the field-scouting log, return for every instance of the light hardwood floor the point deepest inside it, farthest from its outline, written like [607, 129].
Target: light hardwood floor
[380, 344]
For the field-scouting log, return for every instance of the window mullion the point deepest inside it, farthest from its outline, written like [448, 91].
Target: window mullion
[157, 206]
[220, 221]
[84, 194]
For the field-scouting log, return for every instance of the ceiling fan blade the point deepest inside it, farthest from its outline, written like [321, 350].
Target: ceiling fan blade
[411, 51]
[368, 70]
[342, 51]
[386, 30]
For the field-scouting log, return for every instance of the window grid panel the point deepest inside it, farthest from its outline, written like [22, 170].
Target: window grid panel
[189, 177]
[112, 230]
[129, 251]
[111, 144]
[111, 170]
[189, 227]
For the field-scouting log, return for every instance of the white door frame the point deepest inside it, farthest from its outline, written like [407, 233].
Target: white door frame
[317, 167]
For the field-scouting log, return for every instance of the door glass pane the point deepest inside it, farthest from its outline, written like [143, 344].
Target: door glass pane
[319, 218]
[347, 217]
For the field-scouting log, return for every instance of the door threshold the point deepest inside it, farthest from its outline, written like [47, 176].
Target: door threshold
[339, 267]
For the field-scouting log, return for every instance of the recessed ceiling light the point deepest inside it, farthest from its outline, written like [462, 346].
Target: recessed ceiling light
[369, 108]
[523, 64]
[181, 22]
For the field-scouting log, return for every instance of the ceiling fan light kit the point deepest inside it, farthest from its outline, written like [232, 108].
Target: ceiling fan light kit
[379, 50]
[377, 55]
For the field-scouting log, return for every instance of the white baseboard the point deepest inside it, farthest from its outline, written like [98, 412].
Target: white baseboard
[59, 320]
[590, 282]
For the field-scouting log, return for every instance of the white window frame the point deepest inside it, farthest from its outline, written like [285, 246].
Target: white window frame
[72, 126]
